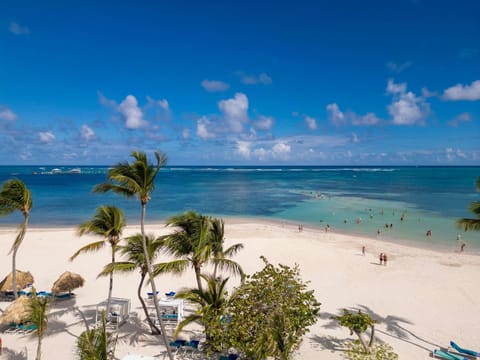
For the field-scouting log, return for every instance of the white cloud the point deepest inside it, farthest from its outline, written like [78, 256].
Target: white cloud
[366, 120]
[235, 111]
[186, 133]
[214, 85]
[311, 122]
[46, 137]
[398, 68]
[336, 117]
[355, 138]
[281, 150]
[463, 92]
[243, 149]
[163, 103]
[262, 78]
[106, 102]
[7, 114]
[406, 108]
[132, 113]
[203, 125]
[18, 29]
[264, 123]
[462, 118]
[86, 133]
[393, 88]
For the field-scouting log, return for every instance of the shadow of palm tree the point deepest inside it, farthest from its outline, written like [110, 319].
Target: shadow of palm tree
[10, 354]
[328, 343]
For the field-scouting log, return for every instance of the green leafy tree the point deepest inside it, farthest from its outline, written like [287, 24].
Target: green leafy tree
[108, 222]
[135, 261]
[358, 324]
[197, 241]
[270, 313]
[469, 223]
[39, 318]
[137, 179]
[15, 196]
[211, 303]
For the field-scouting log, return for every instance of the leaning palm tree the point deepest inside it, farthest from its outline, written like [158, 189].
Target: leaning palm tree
[137, 179]
[14, 195]
[211, 304]
[472, 224]
[107, 222]
[39, 318]
[135, 260]
[197, 241]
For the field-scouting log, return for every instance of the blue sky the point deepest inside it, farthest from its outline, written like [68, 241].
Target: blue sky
[241, 82]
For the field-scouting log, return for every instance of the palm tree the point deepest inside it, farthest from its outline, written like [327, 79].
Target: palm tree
[137, 179]
[39, 318]
[107, 222]
[97, 343]
[135, 260]
[211, 305]
[472, 224]
[15, 195]
[198, 241]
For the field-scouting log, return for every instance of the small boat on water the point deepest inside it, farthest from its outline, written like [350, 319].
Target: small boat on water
[56, 171]
[74, 171]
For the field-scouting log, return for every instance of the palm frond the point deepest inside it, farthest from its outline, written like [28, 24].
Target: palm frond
[188, 320]
[92, 247]
[175, 267]
[118, 267]
[229, 265]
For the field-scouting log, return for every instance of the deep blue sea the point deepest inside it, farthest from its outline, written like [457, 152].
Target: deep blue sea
[429, 198]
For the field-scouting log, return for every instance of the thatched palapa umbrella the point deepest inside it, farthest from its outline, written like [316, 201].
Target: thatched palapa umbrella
[67, 282]
[18, 311]
[23, 279]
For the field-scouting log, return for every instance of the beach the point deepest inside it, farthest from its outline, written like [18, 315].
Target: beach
[421, 299]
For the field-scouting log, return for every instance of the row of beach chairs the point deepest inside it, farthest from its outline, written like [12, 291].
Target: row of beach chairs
[455, 352]
[20, 329]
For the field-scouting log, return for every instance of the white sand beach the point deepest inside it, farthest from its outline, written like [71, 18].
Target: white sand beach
[421, 299]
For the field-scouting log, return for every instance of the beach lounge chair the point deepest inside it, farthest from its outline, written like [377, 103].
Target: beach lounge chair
[464, 351]
[29, 329]
[65, 296]
[446, 355]
[12, 328]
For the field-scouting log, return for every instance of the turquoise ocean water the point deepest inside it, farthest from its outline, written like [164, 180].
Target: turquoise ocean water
[430, 198]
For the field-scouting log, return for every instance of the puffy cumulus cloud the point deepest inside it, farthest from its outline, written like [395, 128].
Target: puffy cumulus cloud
[131, 112]
[17, 29]
[162, 103]
[335, 116]
[86, 133]
[311, 122]
[262, 78]
[7, 114]
[462, 118]
[393, 88]
[203, 128]
[243, 149]
[406, 108]
[235, 111]
[264, 123]
[214, 85]
[46, 137]
[281, 150]
[463, 92]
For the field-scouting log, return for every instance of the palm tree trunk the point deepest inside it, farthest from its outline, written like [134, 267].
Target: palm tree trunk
[362, 342]
[152, 281]
[372, 336]
[153, 328]
[14, 272]
[110, 288]
[199, 278]
[39, 348]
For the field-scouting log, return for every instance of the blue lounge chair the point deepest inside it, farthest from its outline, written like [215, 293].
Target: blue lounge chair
[447, 356]
[464, 351]
[29, 329]
[65, 296]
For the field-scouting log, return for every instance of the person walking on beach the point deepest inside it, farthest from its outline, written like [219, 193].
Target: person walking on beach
[384, 259]
[462, 247]
[381, 258]
[363, 250]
